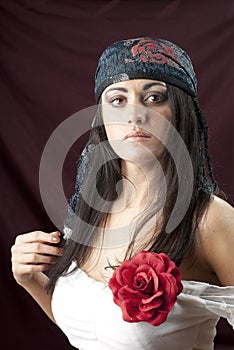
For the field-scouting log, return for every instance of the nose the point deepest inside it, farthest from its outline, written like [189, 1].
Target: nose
[137, 115]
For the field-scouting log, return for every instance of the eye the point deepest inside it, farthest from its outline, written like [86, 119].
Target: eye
[155, 98]
[116, 101]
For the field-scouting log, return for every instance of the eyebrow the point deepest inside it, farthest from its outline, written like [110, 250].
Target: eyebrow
[145, 87]
[116, 88]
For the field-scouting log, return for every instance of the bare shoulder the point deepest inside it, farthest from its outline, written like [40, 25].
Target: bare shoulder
[216, 232]
[218, 216]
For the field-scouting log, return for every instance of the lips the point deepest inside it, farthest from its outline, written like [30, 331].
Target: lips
[137, 135]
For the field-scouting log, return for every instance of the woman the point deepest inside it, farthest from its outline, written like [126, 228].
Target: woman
[153, 216]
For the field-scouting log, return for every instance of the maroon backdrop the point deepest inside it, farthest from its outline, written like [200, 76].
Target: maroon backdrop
[48, 54]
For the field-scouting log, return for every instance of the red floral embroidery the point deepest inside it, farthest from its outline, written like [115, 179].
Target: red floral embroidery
[146, 287]
[151, 51]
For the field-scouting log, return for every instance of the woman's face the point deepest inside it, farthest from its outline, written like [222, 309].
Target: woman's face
[136, 114]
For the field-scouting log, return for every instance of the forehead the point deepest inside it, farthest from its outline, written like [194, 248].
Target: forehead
[129, 85]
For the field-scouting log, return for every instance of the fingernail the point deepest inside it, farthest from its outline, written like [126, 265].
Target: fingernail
[54, 237]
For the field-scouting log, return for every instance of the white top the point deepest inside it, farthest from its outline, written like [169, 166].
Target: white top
[84, 309]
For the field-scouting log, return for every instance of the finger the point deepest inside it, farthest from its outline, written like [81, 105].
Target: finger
[38, 236]
[33, 259]
[37, 248]
[28, 269]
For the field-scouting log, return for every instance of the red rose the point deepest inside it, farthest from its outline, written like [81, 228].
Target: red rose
[146, 287]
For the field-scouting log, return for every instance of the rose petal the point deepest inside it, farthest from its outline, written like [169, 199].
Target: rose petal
[121, 274]
[125, 293]
[149, 258]
[145, 316]
[130, 311]
[143, 282]
[158, 318]
[168, 285]
[143, 267]
[166, 307]
[117, 301]
[152, 274]
[151, 303]
[168, 263]
[114, 285]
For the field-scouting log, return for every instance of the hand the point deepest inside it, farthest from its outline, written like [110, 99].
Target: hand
[32, 253]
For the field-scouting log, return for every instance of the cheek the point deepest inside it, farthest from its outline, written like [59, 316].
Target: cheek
[169, 115]
[166, 112]
[160, 123]
[117, 117]
[115, 132]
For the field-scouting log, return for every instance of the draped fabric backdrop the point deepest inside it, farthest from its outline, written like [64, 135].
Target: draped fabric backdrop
[48, 55]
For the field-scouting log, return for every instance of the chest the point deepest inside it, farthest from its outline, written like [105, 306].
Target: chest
[100, 267]
[113, 243]
[89, 318]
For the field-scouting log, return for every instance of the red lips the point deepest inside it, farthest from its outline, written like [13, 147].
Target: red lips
[137, 134]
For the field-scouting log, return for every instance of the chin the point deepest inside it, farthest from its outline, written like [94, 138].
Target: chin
[137, 152]
[140, 158]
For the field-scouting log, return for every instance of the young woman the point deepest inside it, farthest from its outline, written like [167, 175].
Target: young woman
[146, 260]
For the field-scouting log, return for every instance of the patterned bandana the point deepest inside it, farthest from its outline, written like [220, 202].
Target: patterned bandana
[145, 58]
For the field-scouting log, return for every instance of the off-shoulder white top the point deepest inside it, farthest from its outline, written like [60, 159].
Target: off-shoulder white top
[84, 309]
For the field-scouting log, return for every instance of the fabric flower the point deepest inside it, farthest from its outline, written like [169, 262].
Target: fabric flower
[146, 287]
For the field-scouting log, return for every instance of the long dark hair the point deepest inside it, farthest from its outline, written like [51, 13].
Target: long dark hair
[192, 127]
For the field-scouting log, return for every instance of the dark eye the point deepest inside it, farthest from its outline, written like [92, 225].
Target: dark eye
[117, 101]
[155, 98]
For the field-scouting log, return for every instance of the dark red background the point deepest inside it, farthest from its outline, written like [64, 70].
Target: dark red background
[48, 56]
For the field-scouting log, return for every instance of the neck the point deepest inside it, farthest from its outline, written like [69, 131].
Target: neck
[139, 185]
